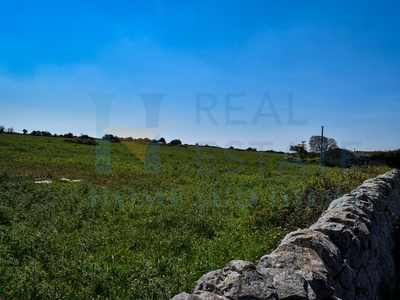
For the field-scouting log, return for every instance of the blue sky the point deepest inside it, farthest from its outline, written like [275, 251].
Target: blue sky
[239, 73]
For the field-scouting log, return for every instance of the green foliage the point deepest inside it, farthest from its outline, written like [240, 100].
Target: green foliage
[300, 149]
[390, 157]
[135, 234]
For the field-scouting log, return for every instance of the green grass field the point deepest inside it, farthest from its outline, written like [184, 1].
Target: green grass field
[145, 231]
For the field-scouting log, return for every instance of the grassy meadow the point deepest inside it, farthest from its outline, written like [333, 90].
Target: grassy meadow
[131, 229]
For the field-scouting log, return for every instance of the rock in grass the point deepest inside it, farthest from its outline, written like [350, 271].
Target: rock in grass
[70, 180]
[43, 181]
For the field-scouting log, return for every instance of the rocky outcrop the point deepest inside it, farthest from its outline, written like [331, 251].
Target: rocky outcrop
[346, 254]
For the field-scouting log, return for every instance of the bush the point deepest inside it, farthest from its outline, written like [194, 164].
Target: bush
[175, 142]
[392, 158]
[111, 138]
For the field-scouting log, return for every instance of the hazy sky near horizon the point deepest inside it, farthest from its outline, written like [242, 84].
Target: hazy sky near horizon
[241, 73]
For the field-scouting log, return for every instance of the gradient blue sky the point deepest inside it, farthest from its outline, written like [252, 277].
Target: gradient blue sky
[339, 61]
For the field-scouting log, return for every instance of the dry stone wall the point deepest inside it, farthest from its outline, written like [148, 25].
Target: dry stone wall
[346, 254]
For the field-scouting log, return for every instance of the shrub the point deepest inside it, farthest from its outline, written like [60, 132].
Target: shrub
[175, 142]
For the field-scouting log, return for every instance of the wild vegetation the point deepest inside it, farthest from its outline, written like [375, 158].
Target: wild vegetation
[145, 223]
[391, 157]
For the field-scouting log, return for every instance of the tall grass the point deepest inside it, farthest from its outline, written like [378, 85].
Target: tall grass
[136, 234]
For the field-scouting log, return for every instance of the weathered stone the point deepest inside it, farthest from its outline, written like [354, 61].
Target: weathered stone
[321, 244]
[291, 285]
[239, 279]
[341, 236]
[337, 288]
[348, 281]
[199, 296]
[303, 262]
[363, 278]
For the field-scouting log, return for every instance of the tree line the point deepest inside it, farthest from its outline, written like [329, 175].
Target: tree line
[11, 130]
[109, 137]
[161, 141]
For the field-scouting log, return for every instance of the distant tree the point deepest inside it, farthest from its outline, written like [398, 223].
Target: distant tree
[115, 139]
[108, 137]
[45, 133]
[327, 143]
[24, 131]
[10, 130]
[162, 141]
[36, 133]
[176, 142]
[1, 129]
[301, 148]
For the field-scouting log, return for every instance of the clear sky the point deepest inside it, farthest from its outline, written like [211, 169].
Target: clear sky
[241, 73]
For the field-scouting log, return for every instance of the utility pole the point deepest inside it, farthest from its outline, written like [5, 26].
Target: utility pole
[322, 147]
